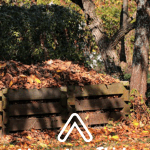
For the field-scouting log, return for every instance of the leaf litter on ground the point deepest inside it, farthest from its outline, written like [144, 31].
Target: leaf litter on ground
[123, 135]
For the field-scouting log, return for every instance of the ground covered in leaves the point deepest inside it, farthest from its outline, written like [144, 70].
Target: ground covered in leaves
[50, 73]
[130, 135]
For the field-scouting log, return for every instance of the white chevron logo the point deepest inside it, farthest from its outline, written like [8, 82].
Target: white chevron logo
[77, 127]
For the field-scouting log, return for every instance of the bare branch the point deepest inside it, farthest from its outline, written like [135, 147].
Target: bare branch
[119, 34]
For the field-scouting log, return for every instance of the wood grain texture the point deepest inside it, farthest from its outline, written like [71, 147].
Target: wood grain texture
[1, 121]
[34, 94]
[35, 108]
[99, 89]
[96, 118]
[36, 123]
[96, 104]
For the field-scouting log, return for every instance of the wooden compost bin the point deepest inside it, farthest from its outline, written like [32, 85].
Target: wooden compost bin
[49, 108]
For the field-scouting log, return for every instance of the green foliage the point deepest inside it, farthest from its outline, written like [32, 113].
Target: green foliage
[109, 11]
[111, 16]
[127, 76]
[33, 34]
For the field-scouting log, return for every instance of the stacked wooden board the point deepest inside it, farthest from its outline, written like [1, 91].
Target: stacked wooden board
[24, 109]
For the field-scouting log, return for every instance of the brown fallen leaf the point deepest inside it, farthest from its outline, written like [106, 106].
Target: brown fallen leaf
[29, 80]
[52, 73]
[11, 83]
[3, 65]
[23, 76]
[2, 74]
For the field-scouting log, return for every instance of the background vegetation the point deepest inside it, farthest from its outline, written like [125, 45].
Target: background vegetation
[33, 34]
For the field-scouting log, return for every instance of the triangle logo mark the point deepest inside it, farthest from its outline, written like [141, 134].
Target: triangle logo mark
[77, 127]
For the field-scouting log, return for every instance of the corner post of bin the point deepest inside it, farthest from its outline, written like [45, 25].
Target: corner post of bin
[5, 105]
[71, 99]
[63, 102]
[1, 114]
[126, 97]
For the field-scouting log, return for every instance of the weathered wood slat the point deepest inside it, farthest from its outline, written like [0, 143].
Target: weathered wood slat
[1, 93]
[34, 108]
[99, 89]
[1, 121]
[125, 83]
[1, 114]
[1, 106]
[37, 123]
[5, 91]
[4, 102]
[5, 117]
[99, 118]
[126, 109]
[126, 95]
[1, 133]
[34, 94]
[96, 104]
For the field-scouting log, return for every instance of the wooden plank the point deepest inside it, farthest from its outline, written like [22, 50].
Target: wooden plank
[1, 93]
[36, 123]
[1, 106]
[5, 117]
[63, 104]
[63, 88]
[71, 101]
[1, 120]
[99, 89]
[126, 109]
[126, 95]
[33, 94]
[125, 83]
[5, 130]
[1, 132]
[96, 104]
[5, 91]
[71, 95]
[4, 102]
[63, 99]
[98, 117]
[55, 93]
[34, 108]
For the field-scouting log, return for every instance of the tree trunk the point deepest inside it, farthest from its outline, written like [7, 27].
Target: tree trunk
[104, 43]
[141, 48]
[123, 22]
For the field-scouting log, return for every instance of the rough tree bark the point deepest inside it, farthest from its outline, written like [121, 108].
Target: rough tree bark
[141, 48]
[104, 43]
[123, 22]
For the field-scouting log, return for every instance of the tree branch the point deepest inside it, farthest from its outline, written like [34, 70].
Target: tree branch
[114, 40]
[119, 34]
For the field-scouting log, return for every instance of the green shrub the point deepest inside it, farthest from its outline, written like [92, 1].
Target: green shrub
[33, 34]
[127, 76]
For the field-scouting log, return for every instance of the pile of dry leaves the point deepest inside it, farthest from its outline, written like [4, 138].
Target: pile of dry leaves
[51, 73]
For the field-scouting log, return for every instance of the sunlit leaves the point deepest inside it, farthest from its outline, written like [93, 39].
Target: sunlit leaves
[51, 73]
[109, 11]
[11, 83]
